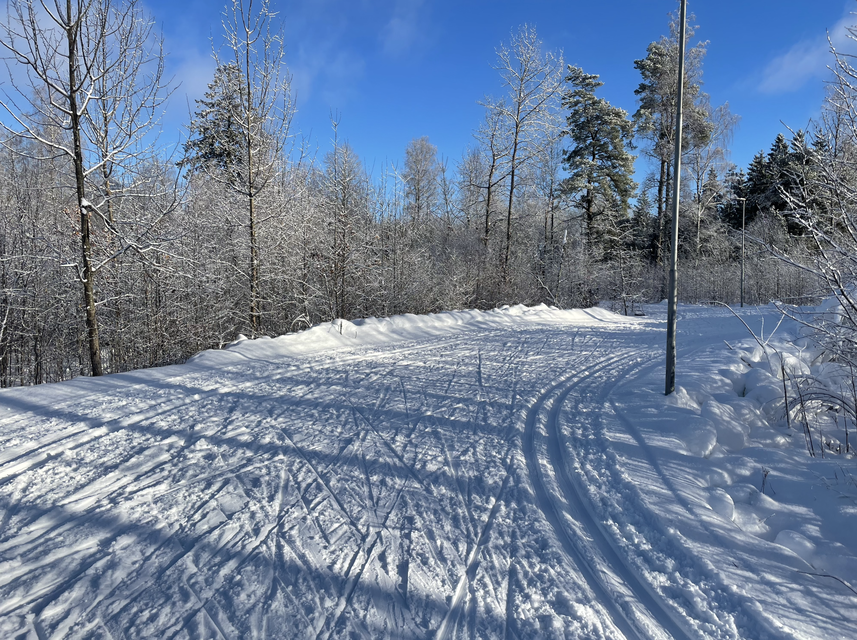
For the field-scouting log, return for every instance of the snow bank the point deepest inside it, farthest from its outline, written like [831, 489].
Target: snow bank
[758, 505]
[369, 332]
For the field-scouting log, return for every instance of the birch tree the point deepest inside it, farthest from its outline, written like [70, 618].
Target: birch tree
[533, 81]
[92, 91]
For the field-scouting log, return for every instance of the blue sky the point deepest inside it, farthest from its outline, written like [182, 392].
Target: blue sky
[400, 69]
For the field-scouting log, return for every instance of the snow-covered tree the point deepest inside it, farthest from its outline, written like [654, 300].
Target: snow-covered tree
[217, 144]
[655, 117]
[533, 81]
[242, 127]
[420, 175]
[92, 92]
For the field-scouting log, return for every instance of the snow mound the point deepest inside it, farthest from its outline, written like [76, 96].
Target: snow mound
[796, 543]
[721, 503]
[375, 332]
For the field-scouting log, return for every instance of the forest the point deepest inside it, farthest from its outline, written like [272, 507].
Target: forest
[118, 254]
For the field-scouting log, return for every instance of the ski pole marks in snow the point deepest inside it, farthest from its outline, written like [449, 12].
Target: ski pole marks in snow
[429, 481]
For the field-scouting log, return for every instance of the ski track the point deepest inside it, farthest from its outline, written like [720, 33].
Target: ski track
[324, 498]
[631, 591]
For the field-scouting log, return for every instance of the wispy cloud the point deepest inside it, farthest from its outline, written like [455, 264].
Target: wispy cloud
[325, 71]
[325, 65]
[405, 29]
[192, 70]
[808, 59]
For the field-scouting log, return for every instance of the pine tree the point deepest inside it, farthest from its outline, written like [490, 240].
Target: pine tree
[655, 118]
[599, 165]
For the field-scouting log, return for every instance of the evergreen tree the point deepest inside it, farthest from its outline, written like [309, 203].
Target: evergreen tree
[758, 185]
[244, 124]
[599, 164]
[217, 141]
[731, 207]
[642, 226]
[655, 118]
[780, 172]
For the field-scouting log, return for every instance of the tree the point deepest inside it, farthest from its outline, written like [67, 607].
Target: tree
[759, 181]
[779, 167]
[217, 142]
[420, 175]
[655, 118]
[94, 88]
[705, 164]
[496, 151]
[735, 189]
[242, 127]
[600, 167]
[346, 195]
[534, 83]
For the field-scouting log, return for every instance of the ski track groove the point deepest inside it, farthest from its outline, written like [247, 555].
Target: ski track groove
[243, 547]
[545, 500]
[450, 621]
[552, 401]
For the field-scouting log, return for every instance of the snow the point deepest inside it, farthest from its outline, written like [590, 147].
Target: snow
[516, 473]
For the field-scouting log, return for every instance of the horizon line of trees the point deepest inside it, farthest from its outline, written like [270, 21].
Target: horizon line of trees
[117, 256]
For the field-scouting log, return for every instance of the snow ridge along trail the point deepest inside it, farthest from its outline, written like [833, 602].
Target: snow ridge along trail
[455, 476]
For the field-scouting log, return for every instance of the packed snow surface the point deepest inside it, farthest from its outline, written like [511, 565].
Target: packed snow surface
[510, 474]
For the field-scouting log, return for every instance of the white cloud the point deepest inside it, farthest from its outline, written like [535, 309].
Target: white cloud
[808, 59]
[194, 69]
[405, 29]
[326, 71]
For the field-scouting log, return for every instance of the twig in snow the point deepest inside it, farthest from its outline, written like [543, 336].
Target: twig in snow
[827, 575]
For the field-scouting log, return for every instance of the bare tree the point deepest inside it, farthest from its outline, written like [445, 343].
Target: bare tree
[534, 83]
[92, 92]
[495, 151]
[708, 159]
[421, 172]
[242, 129]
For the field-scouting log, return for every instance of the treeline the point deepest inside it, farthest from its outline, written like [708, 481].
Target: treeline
[117, 256]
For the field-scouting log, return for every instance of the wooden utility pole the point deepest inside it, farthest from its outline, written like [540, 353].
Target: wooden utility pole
[672, 307]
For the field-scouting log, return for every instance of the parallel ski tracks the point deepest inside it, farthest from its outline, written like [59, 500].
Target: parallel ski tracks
[310, 472]
[632, 604]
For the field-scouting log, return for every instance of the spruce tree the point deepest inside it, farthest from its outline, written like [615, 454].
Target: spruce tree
[759, 181]
[217, 142]
[642, 223]
[731, 207]
[779, 166]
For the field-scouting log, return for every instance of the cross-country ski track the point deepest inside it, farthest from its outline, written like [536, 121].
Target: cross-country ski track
[478, 475]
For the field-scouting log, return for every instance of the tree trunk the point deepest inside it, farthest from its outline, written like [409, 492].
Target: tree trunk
[254, 249]
[87, 273]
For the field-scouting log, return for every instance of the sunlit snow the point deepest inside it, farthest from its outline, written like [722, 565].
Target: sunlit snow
[516, 473]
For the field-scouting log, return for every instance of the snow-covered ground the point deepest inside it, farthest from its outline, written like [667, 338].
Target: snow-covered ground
[509, 474]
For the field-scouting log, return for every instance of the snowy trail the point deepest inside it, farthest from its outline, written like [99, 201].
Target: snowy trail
[444, 488]
[635, 607]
